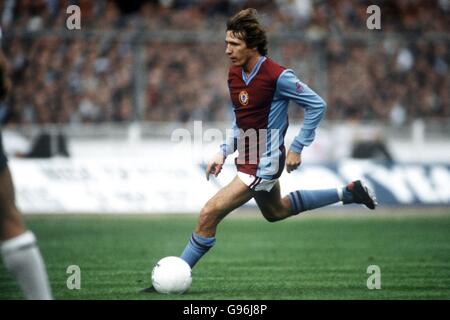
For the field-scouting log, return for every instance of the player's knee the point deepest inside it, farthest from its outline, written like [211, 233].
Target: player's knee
[208, 211]
[11, 225]
[208, 216]
[8, 211]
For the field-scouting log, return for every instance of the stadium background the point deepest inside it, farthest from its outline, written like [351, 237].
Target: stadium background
[93, 126]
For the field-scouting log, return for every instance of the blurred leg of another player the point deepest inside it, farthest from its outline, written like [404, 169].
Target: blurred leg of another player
[18, 246]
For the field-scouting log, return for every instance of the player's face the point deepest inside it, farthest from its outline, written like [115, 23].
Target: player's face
[237, 50]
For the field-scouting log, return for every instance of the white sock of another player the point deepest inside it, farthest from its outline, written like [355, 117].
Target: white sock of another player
[23, 259]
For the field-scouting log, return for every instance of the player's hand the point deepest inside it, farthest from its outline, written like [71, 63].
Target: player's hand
[215, 165]
[293, 161]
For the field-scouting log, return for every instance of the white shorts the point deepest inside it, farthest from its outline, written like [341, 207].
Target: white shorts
[255, 183]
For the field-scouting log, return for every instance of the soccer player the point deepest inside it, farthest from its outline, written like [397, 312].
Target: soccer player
[260, 91]
[18, 246]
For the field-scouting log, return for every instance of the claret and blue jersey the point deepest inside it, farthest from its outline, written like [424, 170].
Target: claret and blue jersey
[260, 101]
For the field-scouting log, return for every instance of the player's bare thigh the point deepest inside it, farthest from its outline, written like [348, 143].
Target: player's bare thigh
[272, 206]
[232, 196]
[11, 224]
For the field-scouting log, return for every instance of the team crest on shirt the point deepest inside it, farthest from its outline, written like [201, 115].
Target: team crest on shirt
[243, 97]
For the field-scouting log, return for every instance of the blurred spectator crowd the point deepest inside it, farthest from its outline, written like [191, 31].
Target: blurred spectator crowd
[122, 66]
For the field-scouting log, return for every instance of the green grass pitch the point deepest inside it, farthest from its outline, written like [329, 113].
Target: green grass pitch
[318, 255]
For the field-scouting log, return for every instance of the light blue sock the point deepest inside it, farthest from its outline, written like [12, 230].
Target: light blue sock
[347, 196]
[303, 200]
[196, 248]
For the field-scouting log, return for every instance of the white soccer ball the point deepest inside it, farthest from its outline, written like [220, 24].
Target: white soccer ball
[171, 275]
